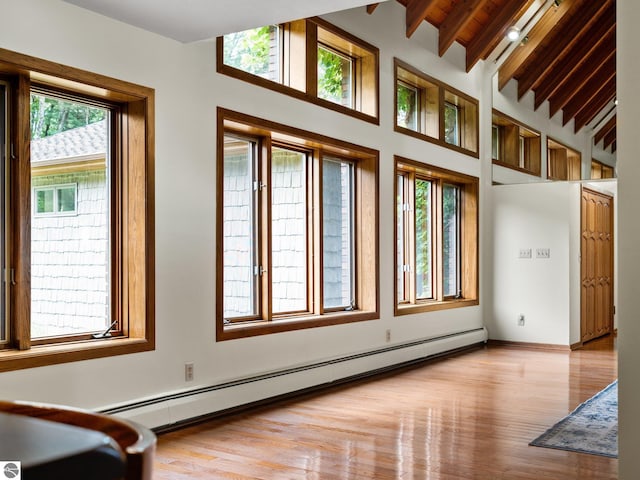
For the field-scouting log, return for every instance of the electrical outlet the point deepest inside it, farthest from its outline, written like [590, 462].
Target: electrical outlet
[543, 252]
[524, 253]
[188, 372]
[388, 335]
[521, 320]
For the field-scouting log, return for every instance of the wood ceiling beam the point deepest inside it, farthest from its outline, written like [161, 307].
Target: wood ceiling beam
[563, 40]
[561, 71]
[458, 18]
[536, 35]
[609, 138]
[589, 91]
[495, 30]
[605, 52]
[606, 95]
[371, 7]
[416, 11]
[606, 128]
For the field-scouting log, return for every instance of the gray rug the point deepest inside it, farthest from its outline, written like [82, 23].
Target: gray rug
[590, 428]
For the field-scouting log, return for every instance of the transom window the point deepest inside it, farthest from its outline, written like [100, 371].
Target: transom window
[436, 238]
[433, 111]
[309, 59]
[294, 253]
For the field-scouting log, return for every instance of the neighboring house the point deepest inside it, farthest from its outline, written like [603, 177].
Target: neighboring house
[69, 233]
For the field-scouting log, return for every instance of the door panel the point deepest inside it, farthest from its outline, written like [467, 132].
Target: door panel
[596, 265]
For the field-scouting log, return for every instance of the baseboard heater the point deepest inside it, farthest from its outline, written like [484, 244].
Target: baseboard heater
[171, 411]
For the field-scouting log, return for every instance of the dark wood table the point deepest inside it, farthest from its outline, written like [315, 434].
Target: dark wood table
[51, 451]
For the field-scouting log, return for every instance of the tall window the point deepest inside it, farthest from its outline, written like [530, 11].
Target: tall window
[309, 59]
[78, 251]
[292, 223]
[436, 238]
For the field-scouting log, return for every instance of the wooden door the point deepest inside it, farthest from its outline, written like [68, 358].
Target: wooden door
[596, 265]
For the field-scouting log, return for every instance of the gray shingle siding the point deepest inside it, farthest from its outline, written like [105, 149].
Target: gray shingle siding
[69, 260]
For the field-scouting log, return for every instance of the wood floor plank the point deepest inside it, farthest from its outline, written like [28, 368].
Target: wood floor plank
[466, 417]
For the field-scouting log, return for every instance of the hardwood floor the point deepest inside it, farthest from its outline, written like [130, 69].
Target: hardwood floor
[467, 417]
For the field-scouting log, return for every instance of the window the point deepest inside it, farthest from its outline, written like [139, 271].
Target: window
[257, 51]
[81, 264]
[601, 170]
[56, 200]
[563, 163]
[432, 111]
[292, 220]
[451, 124]
[436, 238]
[309, 59]
[515, 145]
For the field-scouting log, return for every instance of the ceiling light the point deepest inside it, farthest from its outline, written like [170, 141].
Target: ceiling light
[513, 34]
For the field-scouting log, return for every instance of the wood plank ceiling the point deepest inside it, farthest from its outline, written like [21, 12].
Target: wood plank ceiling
[566, 58]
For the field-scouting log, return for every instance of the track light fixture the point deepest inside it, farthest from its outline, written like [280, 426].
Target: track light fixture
[513, 33]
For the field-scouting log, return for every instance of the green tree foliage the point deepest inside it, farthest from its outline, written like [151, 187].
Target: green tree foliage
[51, 115]
[333, 72]
[423, 238]
[407, 106]
[249, 50]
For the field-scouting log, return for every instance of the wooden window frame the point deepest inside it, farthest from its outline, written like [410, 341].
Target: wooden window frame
[511, 131]
[601, 171]
[366, 207]
[133, 243]
[300, 67]
[563, 162]
[433, 95]
[468, 232]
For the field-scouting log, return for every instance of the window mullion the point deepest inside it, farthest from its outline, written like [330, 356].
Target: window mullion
[264, 229]
[20, 303]
[437, 230]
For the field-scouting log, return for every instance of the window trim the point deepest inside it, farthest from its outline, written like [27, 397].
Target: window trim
[366, 226]
[576, 158]
[134, 215]
[303, 35]
[469, 239]
[444, 91]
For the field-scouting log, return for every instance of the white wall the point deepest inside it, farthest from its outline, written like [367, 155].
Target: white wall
[188, 90]
[628, 78]
[532, 216]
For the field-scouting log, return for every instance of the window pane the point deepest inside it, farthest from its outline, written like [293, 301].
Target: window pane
[451, 240]
[3, 155]
[255, 51]
[400, 259]
[70, 254]
[239, 231]
[337, 233]
[495, 142]
[335, 77]
[44, 201]
[66, 199]
[407, 106]
[451, 124]
[424, 270]
[288, 231]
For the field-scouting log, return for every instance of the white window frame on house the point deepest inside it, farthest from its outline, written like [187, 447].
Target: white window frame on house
[56, 212]
[357, 299]
[408, 297]
[132, 251]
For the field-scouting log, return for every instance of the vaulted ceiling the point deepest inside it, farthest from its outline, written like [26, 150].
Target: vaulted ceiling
[565, 52]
